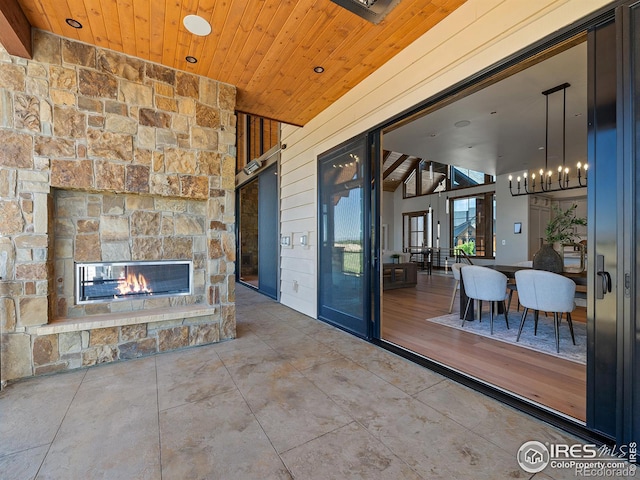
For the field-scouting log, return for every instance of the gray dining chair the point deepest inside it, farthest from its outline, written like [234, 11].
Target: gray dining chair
[484, 284]
[549, 292]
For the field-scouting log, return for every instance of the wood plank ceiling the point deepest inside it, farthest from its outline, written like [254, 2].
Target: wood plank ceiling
[397, 168]
[266, 48]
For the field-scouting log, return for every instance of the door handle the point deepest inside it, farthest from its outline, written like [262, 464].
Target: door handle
[606, 281]
[604, 286]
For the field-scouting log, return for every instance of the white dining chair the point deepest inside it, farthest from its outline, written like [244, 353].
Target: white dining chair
[482, 283]
[549, 292]
[455, 269]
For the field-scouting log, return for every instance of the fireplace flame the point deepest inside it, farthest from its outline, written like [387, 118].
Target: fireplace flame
[133, 283]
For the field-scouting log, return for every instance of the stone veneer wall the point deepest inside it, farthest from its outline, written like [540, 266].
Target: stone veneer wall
[80, 118]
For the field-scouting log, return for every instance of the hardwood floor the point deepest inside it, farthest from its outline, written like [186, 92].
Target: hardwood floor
[250, 279]
[545, 379]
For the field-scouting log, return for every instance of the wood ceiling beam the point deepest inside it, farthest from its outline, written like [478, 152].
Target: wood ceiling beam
[15, 29]
[395, 165]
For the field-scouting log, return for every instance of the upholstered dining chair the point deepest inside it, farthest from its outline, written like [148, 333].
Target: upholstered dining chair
[549, 292]
[455, 269]
[482, 283]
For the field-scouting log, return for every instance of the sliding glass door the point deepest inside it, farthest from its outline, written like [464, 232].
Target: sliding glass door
[342, 292]
[593, 381]
[268, 231]
[258, 232]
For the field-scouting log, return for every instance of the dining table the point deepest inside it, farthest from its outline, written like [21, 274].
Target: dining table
[580, 279]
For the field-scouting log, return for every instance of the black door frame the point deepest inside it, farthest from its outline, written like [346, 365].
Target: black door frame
[628, 426]
[363, 327]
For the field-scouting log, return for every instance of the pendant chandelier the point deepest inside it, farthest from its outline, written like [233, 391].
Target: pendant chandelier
[548, 181]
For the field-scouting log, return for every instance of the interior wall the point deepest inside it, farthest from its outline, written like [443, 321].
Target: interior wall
[512, 247]
[474, 37]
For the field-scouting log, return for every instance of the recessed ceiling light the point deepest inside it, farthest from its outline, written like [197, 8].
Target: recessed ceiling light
[494, 112]
[73, 23]
[462, 123]
[540, 148]
[197, 25]
[433, 135]
[191, 59]
[318, 69]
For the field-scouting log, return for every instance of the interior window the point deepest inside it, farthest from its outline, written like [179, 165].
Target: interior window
[425, 178]
[473, 225]
[410, 185]
[465, 177]
[414, 231]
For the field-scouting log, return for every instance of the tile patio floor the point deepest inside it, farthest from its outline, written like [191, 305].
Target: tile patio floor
[291, 397]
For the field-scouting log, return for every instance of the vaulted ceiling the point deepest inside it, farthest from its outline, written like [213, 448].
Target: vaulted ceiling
[266, 48]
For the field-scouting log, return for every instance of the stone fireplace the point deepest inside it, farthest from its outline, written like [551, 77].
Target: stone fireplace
[110, 160]
[94, 229]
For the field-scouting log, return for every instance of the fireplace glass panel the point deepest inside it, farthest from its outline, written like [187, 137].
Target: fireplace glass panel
[108, 282]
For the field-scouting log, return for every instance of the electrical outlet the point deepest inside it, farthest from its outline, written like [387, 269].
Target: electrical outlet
[285, 241]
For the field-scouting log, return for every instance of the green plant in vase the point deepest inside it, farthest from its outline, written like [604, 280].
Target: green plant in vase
[559, 230]
[561, 227]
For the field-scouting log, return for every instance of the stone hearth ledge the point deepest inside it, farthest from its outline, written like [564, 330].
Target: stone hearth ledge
[119, 319]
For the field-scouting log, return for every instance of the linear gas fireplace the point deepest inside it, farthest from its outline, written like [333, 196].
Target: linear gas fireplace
[114, 281]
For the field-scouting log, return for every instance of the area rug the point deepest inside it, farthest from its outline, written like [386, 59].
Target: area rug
[544, 341]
